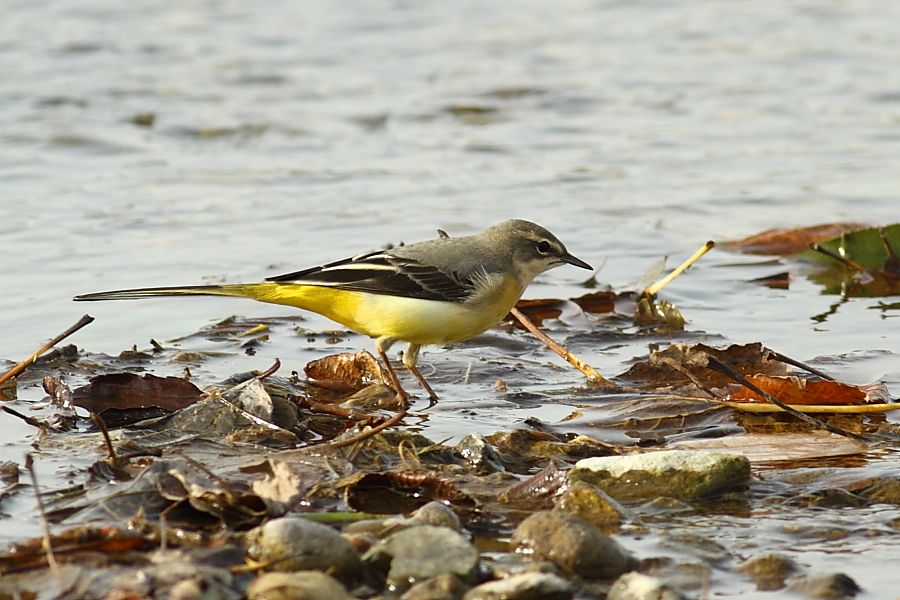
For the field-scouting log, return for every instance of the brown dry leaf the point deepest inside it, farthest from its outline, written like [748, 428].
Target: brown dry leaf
[345, 371]
[798, 391]
[281, 483]
[131, 391]
[790, 241]
[540, 309]
[770, 448]
[403, 491]
[226, 500]
[548, 483]
[600, 302]
[683, 365]
[106, 540]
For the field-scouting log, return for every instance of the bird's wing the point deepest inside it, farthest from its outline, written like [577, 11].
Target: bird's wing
[383, 273]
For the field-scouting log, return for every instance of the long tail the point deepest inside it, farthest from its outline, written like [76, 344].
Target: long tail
[337, 305]
[249, 290]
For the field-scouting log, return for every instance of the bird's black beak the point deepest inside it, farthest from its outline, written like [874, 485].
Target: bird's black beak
[577, 262]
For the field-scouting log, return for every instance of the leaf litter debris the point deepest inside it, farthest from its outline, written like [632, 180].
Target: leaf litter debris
[190, 472]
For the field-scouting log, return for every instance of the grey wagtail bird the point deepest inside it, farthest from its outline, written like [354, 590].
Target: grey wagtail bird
[433, 292]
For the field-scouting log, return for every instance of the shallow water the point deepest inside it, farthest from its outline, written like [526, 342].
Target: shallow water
[304, 132]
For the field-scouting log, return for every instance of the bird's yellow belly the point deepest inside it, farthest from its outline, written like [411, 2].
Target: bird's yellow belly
[407, 319]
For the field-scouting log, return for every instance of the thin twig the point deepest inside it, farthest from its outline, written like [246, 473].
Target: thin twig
[45, 542]
[275, 366]
[594, 378]
[654, 288]
[101, 425]
[721, 367]
[30, 420]
[334, 410]
[365, 434]
[796, 363]
[853, 266]
[85, 320]
[835, 409]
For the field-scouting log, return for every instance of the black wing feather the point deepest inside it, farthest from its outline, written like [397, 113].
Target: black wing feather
[391, 275]
[298, 275]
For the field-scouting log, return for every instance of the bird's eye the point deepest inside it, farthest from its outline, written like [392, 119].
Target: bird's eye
[543, 247]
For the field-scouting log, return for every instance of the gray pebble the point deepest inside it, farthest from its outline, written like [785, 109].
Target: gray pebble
[443, 587]
[419, 553]
[295, 544]
[299, 585]
[591, 504]
[834, 586]
[573, 544]
[770, 571]
[478, 454]
[437, 514]
[636, 586]
[527, 586]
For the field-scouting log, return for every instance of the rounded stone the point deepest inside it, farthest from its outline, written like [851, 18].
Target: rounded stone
[770, 571]
[443, 587]
[833, 586]
[591, 504]
[299, 585]
[294, 544]
[526, 586]
[637, 586]
[419, 553]
[437, 514]
[573, 544]
[684, 474]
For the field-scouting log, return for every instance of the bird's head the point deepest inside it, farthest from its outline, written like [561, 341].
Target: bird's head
[531, 248]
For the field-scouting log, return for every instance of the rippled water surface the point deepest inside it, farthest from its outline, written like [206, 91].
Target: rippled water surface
[174, 143]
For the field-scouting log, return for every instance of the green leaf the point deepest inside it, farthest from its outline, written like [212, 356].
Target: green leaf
[863, 247]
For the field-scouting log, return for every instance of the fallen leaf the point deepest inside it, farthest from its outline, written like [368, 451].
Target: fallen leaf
[403, 491]
[681, 364]
[772, 448]
[798, 391]
[544, 485]
[345, 371]
[281, 483]
[131, 391]
[106, 540]
[790, 241]
[540, 309]
[874, 248]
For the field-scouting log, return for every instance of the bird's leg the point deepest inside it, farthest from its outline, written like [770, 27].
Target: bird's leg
[410, 357]
[382, 345]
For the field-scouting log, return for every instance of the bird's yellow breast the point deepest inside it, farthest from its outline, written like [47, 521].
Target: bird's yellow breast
[407, 319]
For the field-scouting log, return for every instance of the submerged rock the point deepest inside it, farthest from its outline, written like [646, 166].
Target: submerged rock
[434, 513]
[526, 586]
[683, 474]
[769, 572]
[299, 585]
[420, 553]
[478, 454]
[573, 544]
[883, 490]
[636, 586]
[295, 544]
[443, 587]
[591, 504]
[834, 586]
